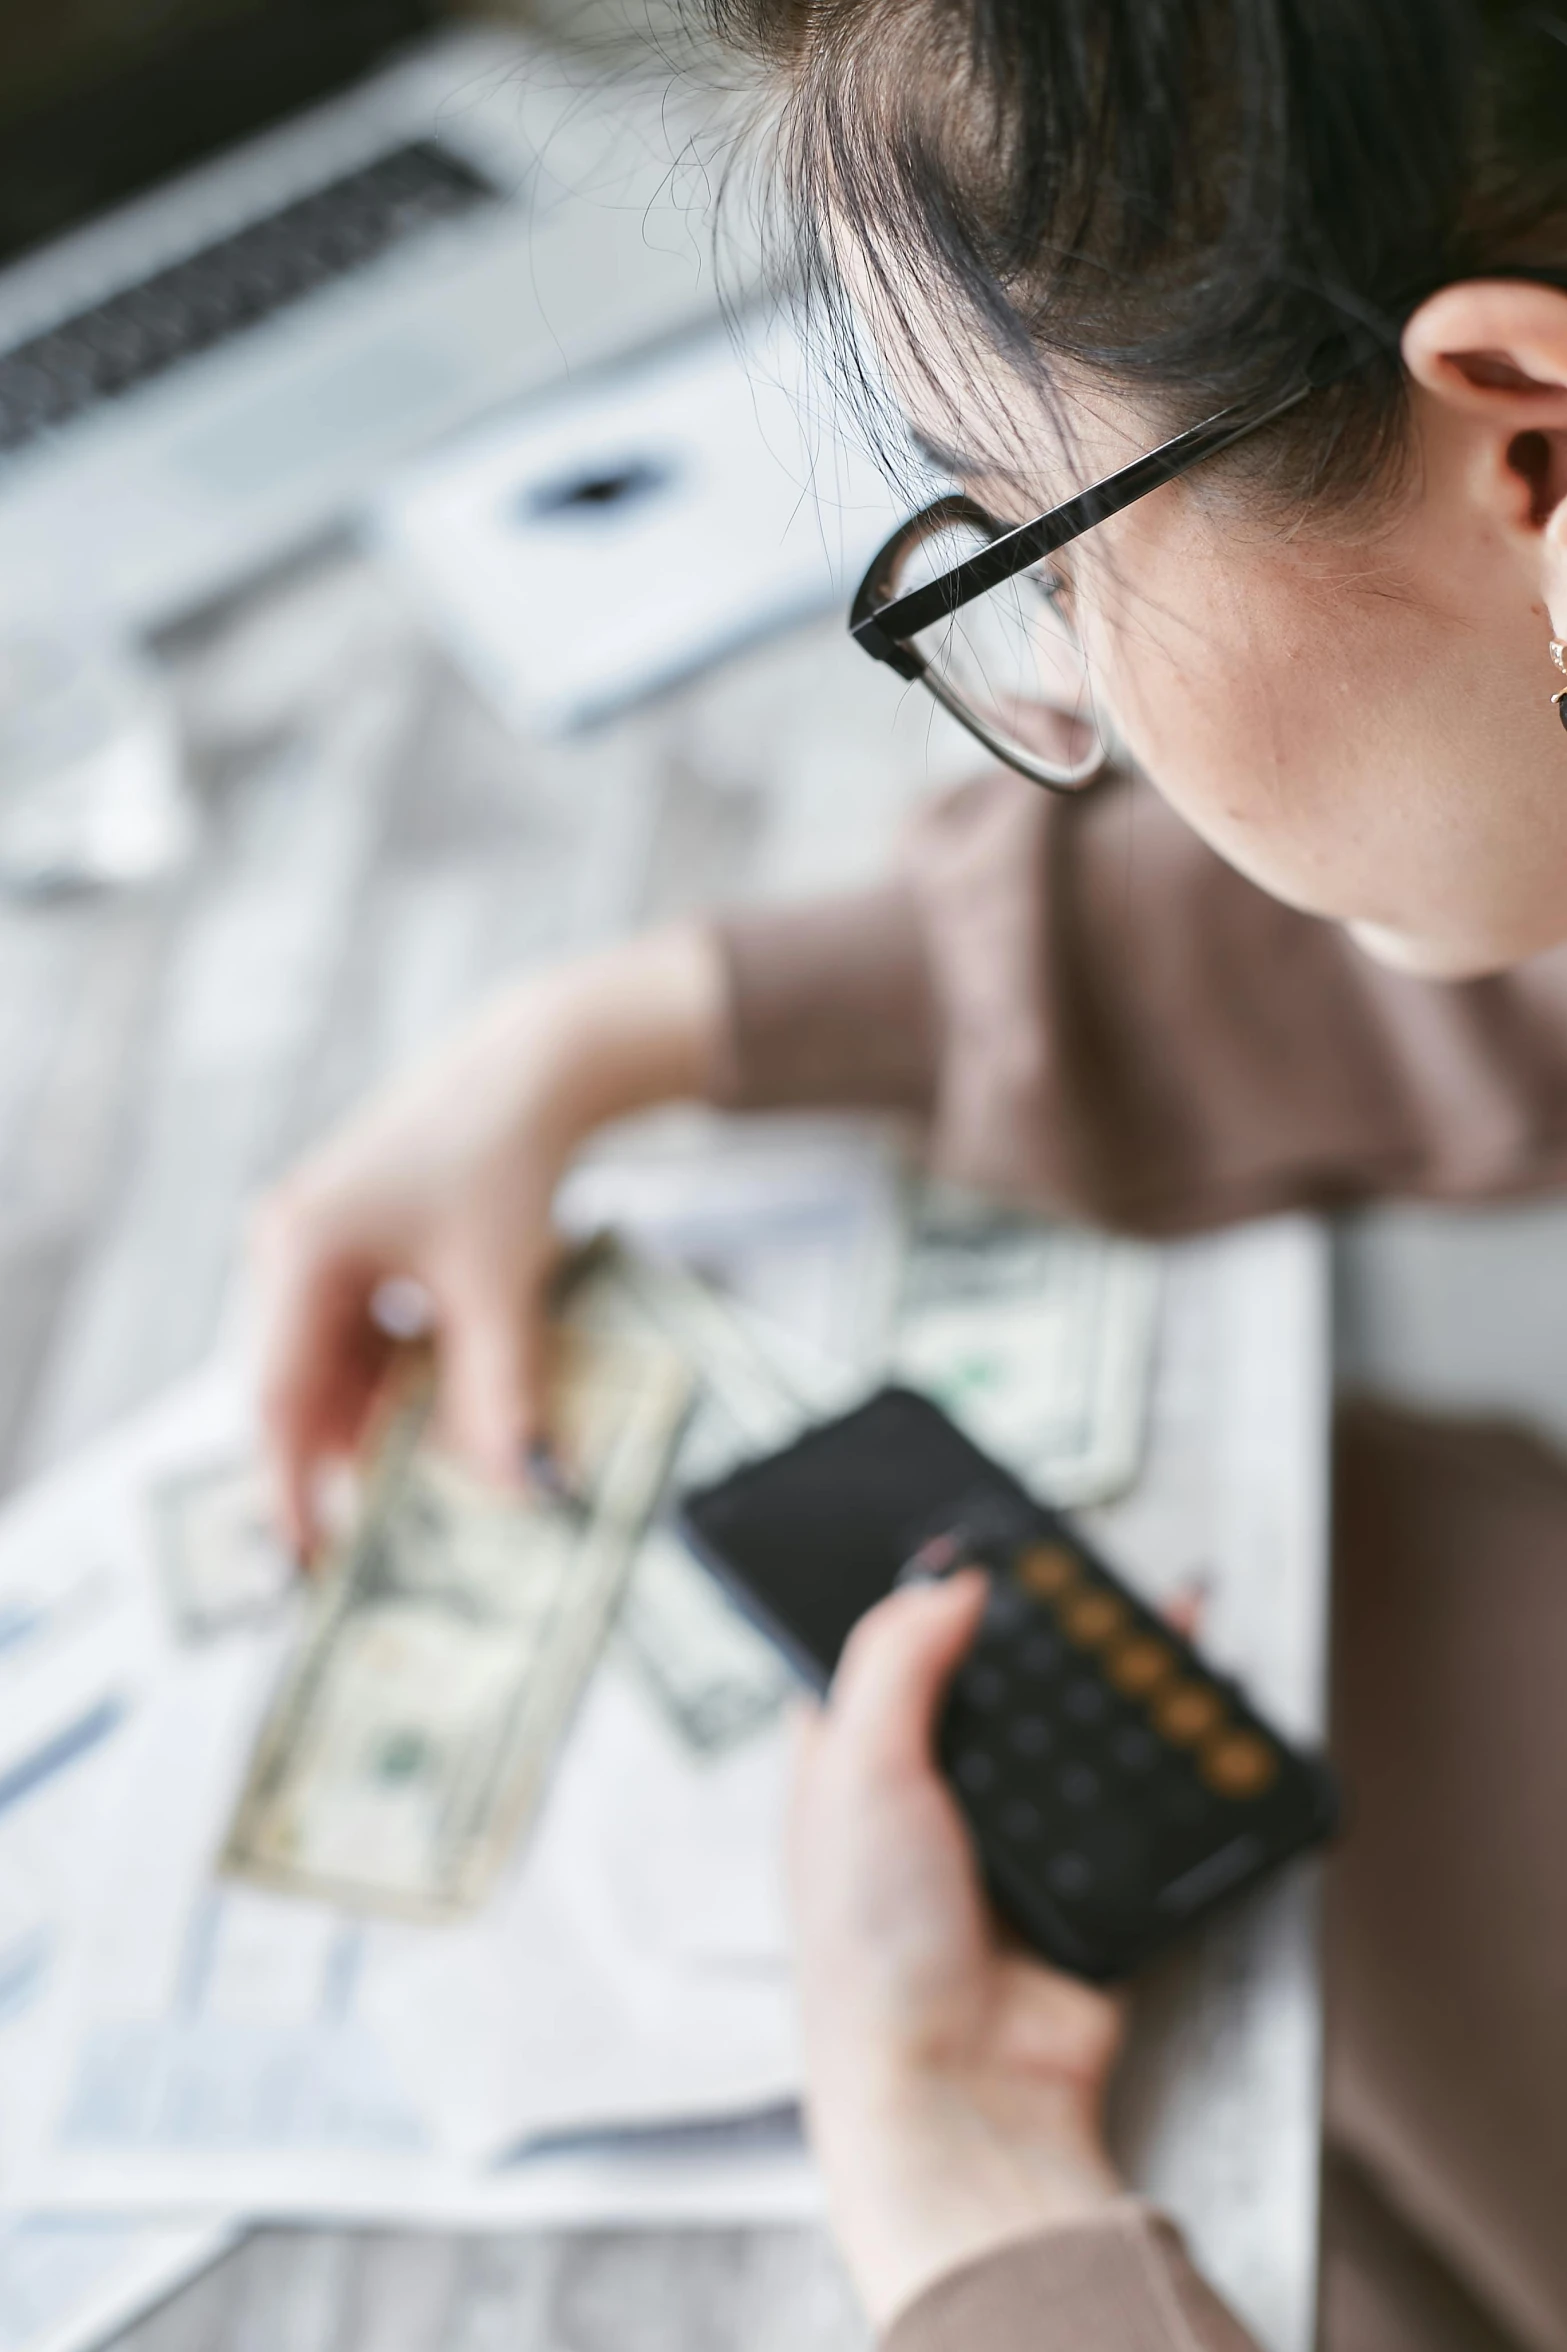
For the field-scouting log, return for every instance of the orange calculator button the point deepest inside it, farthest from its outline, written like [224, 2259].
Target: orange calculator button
[1093, 1617]
[1238, 1764]
[1139, 1664]
[1045, 1571]
[1188, 1713]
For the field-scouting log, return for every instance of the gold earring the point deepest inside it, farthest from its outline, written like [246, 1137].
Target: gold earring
[1559, 657]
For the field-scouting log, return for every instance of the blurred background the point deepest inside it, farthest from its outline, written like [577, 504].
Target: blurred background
[330, 336]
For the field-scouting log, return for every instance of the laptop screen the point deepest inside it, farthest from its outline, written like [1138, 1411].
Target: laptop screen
[100, 99]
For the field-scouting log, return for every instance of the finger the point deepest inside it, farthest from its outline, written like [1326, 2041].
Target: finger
[322, 1363]
[806, 1718]
[807, 1725]
[809, 1785]
[494, 1369]
[896, 1667]
[1183, 1608]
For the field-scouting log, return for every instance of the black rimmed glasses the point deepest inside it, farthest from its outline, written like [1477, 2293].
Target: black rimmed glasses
[976, 615]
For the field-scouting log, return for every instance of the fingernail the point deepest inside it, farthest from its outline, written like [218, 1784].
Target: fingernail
[547, 1477]
[541, 1466]
[917, 1572]
[932, 1562]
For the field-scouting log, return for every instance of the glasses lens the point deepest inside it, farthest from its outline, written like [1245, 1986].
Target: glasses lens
[1010, 661]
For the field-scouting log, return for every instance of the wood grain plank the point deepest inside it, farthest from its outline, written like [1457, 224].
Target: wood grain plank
[405, 2284]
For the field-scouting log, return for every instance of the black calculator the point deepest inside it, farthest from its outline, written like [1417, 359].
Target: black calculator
[1117, 1787]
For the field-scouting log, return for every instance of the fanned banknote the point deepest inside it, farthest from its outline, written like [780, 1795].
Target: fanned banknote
[408, 1745]
[1036, 1337]
[223, 1562]
[714, 1678]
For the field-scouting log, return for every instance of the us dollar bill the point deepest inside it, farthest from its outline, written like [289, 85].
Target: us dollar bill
[713, 1677]
[222, 1562]
[409, 1743]
[1036, 1337]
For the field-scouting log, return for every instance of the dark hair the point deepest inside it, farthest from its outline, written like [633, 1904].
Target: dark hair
[1204, 199]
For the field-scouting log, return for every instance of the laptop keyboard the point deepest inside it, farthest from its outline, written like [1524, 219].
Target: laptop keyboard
[199, 302]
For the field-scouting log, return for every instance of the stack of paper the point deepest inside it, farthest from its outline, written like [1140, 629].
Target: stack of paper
[605, 2032]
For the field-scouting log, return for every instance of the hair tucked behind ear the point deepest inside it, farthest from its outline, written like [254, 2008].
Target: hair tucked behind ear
[1204, 199]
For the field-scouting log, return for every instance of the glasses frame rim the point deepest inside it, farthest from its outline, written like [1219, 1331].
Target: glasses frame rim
[883, 626]
[956, 507]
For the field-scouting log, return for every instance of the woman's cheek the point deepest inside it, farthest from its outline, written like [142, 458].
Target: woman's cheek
[1443, 848]
[1254, 779]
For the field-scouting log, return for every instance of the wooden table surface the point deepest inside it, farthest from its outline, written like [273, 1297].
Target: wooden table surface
[729, 2290]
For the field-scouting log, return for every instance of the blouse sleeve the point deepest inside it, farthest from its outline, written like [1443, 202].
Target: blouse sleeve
[1119, 2283]
[1093, 1013]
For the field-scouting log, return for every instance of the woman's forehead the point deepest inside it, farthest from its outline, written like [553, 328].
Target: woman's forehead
[1038, 433]
[1021, 460]
[1020, 433]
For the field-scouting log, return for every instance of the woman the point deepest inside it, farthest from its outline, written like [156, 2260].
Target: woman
[1317, 953]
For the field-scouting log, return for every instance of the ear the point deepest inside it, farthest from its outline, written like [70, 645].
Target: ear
[1494, 351]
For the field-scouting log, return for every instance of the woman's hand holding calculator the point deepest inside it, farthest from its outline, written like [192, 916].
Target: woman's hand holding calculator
[954, 2083]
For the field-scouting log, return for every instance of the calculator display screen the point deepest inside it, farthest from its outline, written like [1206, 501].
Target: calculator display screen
[817, 1535]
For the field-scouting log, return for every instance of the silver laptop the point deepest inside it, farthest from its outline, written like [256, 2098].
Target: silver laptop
[254, 251]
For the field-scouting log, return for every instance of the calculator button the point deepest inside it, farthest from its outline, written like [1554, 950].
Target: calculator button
[1181, 1803]
[1139, 1664]
[1135, 1749]
[1040, 1653]
[983, 1686]
[1046, 1570]
[1031, 1736]
[991, 1523]
[1085, 1702]
[1078, 1785]
[975, 1771]
[1238, 1764]
[1093, 1618]
[1020, 1820]
[1069, 1874]
[1005, 1608]
[1188, 1713]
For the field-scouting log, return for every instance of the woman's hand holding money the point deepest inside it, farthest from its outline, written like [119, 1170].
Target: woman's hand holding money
[446, 1181]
